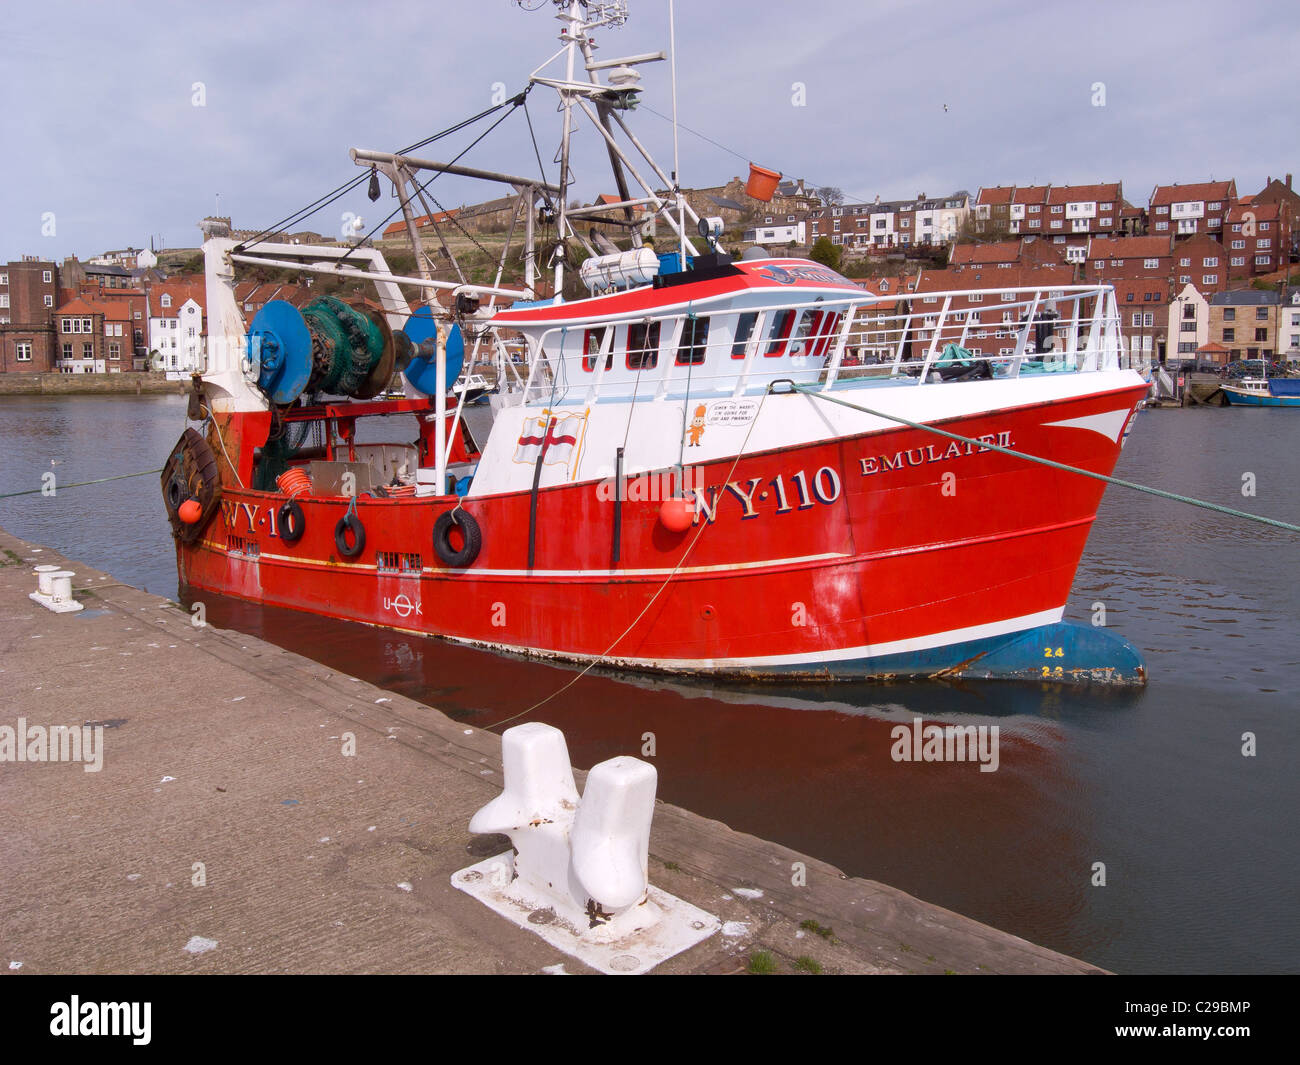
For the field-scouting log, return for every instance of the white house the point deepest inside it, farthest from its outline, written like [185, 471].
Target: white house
[176, 331]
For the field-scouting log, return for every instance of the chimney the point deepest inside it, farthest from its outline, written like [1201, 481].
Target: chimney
[1288, 181]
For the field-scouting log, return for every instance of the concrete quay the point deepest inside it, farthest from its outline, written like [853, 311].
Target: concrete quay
[225, 831]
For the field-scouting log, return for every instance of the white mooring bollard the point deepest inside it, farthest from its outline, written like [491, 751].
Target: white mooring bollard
[54, 590]
[577, 872]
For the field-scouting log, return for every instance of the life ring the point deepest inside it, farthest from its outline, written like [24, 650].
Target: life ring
[291, 522]
[469, 529]
[352, 522]
[190, 473]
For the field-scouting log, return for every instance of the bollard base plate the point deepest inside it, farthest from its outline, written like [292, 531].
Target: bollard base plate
[623, 947]
[59, 606]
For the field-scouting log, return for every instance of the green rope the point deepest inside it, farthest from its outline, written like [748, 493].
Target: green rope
[806, 390]
[81, 484]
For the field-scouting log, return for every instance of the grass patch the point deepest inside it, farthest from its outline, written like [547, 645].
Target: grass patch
[673, 866]
[13, 558]
[806, 964]
[761, 963]
[827, 934]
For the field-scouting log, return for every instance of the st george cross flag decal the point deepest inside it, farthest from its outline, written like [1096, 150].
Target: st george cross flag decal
[566, 432]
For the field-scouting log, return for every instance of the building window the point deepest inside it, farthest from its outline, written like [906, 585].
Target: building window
[67, 351]
[23, 351]
[4, 279]
[1184, 279]
[1137, 319]
[1209, 279]
[4, 299]
[47, 276]
[1263, 245]
[1229, 314]
[114, 350]
[1237, 245]
[1150, 264]
[1211, 261]
[1238, 260]
[1184, 262]
[1263, 260]
[1229, 335]
[1187, 327]
[1117, 262]
[1261, 334]
[1162, 210]
[166, 300]
[1261, 314]
[1162, 227]
[1148, 319]
[1058, 209]
[87, 350]
[978, 297]
[49, 301]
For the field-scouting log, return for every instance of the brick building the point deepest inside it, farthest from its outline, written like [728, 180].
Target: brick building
[1258, 238]
[1275, 191]
[1201, 261]
[1188, 210]
[1143, 305]
[1006, 254]
[29, 291]
[1114, 259]
[1068, 214]
[987, 331]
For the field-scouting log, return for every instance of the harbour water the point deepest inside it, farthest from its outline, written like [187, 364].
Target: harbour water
[1197, 840]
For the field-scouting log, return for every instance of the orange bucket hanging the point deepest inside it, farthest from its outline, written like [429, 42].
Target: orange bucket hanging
[762, 182]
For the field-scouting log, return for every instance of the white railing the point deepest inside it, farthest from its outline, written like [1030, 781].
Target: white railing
[850, 342]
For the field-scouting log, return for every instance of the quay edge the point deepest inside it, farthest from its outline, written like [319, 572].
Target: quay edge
[223, 750]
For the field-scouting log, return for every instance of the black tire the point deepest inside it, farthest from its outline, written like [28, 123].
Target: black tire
[350, 521]
[291, 522]
[448, 555]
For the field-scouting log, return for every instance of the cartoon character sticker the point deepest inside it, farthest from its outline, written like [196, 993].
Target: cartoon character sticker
[696, 429]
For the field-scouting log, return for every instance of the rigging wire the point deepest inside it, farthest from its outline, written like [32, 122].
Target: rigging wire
[515, 101]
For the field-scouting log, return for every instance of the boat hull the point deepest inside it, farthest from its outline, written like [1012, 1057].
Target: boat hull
[887, 554]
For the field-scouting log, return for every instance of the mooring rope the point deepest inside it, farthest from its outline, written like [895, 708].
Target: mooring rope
[1205, 504]
[79, 484]
[644, 610]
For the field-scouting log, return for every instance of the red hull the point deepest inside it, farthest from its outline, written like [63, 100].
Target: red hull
[808, 556]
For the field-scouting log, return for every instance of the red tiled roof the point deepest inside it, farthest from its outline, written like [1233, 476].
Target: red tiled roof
[995, 197]
[1031, 194]
[1164, 195]
[1001, 251]
[1263, 212]
[398, 228]
[1016, 277]
[1105, 193]
[1129, 247]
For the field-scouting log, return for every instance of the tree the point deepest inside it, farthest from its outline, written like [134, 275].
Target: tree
[829, 195]
[826, 253]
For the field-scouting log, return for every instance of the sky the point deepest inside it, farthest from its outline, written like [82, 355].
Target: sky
[125, 122]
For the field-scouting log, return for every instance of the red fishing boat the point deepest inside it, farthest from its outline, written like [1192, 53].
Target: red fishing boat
[684, 473]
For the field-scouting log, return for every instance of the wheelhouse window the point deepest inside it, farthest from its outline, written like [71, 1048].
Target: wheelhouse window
[642, 345]
[592, 339]
[782, 324]
[695, 336]
[744, 330]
